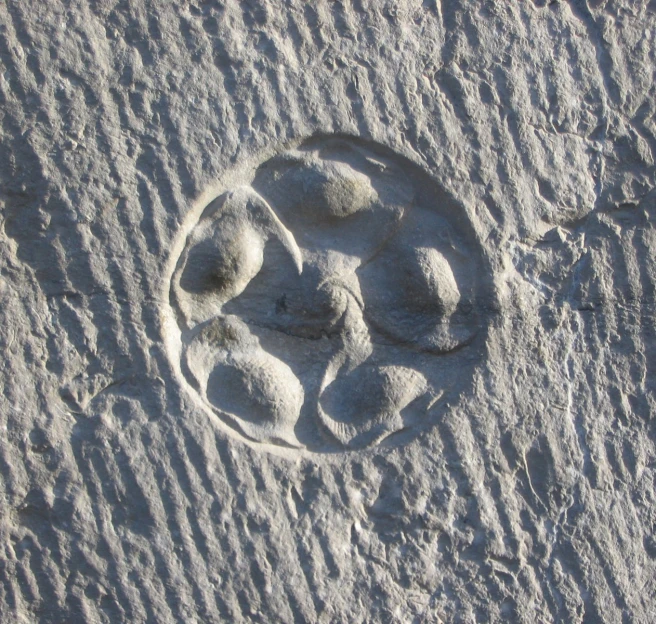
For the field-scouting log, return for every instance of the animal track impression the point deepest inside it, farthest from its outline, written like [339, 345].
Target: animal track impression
[328, 303]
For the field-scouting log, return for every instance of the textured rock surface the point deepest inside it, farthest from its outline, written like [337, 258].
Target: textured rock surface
[334, 302]
[530, 498]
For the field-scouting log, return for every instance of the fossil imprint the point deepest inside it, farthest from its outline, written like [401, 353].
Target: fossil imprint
[331, 302]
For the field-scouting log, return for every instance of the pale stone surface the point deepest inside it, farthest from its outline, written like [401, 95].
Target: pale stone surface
[327, 311]
[329, 304]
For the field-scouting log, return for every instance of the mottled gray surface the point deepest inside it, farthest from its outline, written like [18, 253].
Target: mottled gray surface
[531, 495]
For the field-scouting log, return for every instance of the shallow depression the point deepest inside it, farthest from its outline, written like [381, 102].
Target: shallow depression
[331, 303]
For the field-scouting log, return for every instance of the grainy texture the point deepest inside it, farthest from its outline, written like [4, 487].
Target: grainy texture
[532, 497]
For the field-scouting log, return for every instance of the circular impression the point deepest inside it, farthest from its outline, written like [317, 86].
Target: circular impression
[328, 300]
